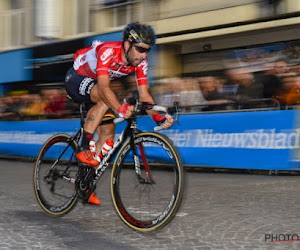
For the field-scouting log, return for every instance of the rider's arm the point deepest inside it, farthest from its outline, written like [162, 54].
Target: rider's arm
[110, 99]
[145, 96]
[106, 93]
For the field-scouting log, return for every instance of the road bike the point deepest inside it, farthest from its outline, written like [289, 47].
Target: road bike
[147, 177]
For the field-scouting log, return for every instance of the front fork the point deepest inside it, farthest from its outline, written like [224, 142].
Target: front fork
[137, 164]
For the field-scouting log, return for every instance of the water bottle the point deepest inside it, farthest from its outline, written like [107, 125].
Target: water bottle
[92, 145]
[104, 150]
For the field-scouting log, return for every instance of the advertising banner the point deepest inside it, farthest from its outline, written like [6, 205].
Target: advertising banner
[247, 140]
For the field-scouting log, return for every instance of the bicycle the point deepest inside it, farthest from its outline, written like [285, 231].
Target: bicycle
[147, 178]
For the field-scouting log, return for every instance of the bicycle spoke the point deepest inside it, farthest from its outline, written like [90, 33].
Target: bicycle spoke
[54, 184]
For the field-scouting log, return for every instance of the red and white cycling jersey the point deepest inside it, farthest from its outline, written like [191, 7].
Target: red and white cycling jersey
[105, 58]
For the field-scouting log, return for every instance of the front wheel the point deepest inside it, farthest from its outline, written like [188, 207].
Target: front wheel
[147, 182]
[55, 173]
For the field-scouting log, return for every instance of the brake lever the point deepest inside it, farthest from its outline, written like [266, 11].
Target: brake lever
[174, 111]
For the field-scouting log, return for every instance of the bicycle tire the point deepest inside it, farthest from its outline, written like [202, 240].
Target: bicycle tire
[53, 178]
[152, 205]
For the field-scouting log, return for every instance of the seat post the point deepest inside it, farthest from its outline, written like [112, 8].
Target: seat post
[81, 110]
[81, 114]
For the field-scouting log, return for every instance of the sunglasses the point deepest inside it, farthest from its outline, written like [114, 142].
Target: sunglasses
[142, 49]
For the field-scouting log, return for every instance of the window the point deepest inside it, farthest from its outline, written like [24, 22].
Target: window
[12, 28]
[122, 15]
[82, 16]
[17, 27]
[121, 11]
[17, 4]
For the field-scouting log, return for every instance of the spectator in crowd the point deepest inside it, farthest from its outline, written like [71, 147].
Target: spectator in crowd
[295, 69]
[13, 105]
[35, 108]
[3, 105]
[190, 95]
[170, 91]
[289, 93]
[56, 103]
[209, 88]
[6, 112]
[214, 93]
[271, 78]
[124, 87]
[293, 97]
[249, 91]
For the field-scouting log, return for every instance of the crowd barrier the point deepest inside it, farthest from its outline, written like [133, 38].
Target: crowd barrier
[264, 140]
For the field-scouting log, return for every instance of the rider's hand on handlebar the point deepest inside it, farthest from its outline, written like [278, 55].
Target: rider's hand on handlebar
[169, 122]
[125, 110]
[165, 121]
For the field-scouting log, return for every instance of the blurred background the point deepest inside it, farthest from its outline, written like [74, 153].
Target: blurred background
[236, 60]
[210, 55]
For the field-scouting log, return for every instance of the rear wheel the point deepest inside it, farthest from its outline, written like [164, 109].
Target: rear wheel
[55, 172]
[147, 182]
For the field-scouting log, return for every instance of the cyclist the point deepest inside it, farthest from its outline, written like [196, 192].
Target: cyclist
[88, 81]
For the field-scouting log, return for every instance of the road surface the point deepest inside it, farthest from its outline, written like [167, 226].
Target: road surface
[219, 211]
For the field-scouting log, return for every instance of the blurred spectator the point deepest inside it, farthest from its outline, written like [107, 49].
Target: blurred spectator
[295, 69]
[170, 92]
[35, 108]
[289, 94]
[190, 95]
[56, 103]
[293, 97]
[271, 78]
[124, 87]
[3, 105]
[6, 113]
[214, 93]
[209, 88]
[13, 104]
[249, 88]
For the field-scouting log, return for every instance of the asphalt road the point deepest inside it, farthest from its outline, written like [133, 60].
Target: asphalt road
[219, 211]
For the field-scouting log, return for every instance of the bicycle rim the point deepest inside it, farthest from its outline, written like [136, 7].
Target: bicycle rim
[54, 175]
[150, 202]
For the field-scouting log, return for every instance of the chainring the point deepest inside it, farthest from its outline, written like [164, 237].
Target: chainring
[84, 182]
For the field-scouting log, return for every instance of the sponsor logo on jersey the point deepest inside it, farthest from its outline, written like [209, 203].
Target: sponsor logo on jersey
[144, 66]
[105, 56]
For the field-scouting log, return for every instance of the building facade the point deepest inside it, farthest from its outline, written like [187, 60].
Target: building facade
[184, 28]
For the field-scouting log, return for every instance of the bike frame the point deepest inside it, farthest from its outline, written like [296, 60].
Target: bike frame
[129, 132]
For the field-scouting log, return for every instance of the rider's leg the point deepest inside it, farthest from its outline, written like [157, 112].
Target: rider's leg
[105, 132]
[84, 89]
[95, 116]
[93, 119]
[78, 87]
